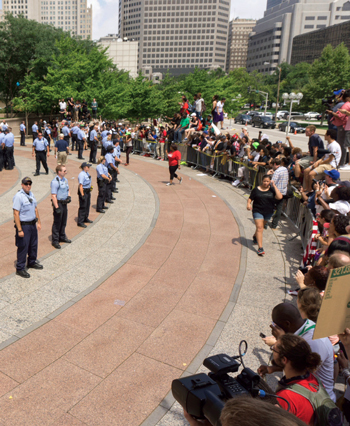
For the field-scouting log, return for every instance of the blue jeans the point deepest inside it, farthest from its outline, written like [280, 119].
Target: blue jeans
[178, 135]
[199, 115]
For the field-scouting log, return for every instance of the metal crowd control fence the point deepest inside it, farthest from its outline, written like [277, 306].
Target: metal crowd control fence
[222, 165]
[300, 216]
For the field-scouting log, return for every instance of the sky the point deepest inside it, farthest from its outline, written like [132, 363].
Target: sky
[105, 14]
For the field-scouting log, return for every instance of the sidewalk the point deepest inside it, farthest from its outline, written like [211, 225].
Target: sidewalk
[108, 358]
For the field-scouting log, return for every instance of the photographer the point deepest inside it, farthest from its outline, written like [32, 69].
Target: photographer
[287, 319]
[245, 411]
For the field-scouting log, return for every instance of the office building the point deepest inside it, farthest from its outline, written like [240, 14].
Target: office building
[70, 15]
[308, 47]
[237, 47]
[124, 54]
[271, 42]
[177, 35]
[273, 3]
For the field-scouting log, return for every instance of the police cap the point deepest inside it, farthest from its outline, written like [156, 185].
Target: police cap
[26, 180]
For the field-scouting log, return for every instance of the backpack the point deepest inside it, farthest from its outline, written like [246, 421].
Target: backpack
[326, 412]
[190, 108]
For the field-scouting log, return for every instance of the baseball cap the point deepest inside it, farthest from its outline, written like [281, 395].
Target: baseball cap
[85, 164]
[82, 125]
[193, 114]
[244, 128]
[334, 174]
[27, 180]
[110, 148]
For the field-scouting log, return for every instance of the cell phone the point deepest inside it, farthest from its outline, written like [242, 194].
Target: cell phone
[262, 335]
[303, 270]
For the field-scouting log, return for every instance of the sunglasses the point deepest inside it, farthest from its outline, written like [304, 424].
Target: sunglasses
[30, 184]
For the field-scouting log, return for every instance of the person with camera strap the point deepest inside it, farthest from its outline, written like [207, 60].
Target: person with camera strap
[60, 197]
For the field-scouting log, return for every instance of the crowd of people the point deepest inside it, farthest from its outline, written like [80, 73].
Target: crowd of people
[310, 366]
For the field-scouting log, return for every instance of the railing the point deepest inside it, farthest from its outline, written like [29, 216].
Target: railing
[219, 165]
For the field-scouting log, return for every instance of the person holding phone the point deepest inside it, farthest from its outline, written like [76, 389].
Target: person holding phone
[263, 198]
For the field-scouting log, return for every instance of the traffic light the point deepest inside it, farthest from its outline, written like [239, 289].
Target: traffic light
[248, 89]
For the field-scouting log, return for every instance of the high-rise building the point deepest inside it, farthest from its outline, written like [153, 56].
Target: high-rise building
[124, 54]
[271, 42]
[237, 47]
[70, 15]
[177, 35]
[308, 47]
[273, 3]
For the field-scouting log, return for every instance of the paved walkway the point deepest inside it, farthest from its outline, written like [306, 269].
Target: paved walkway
[8, 178]
[108, 358]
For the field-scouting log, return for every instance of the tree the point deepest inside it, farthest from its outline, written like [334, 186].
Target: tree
[26, 46]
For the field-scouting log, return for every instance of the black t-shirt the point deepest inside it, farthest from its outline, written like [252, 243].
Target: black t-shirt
[315, 140]
[263, 201]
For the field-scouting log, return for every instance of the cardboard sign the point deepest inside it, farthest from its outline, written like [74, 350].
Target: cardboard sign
[334, 314]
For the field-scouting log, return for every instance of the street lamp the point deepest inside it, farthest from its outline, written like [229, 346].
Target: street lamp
[278, 91]
[292, 98]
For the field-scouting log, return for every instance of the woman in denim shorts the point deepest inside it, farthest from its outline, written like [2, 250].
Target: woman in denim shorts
[263, 198]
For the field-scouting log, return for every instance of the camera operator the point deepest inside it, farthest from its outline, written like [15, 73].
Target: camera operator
[287, 319]
[294, 356]
[245, 411]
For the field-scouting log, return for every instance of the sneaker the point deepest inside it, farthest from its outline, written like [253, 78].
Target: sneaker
[236, 182]
[345, 167]
[255, 241]
[180, 181]
[261, 251]
[168, 184]
[162, 159]
[292, 292]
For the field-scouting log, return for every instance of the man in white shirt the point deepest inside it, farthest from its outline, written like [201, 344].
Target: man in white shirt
[199, 106]
[329, 161]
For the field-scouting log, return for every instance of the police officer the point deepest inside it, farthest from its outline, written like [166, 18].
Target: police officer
[105, 141]
[81, 142]
[93, 144]
[74, 132]
[2, 150]
[103, 178]
[8, 143]
[60, 197]
[84, 192]
[22, 128]
[27, 224]
[41, 149]
[116, 155]
[113, 171]
[35, 130]
[65, 131]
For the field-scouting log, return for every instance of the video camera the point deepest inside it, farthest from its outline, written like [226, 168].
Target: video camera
[204, 396]
[330, 99]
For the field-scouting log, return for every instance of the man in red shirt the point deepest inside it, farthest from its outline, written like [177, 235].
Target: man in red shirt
[294, 355]
[174, 158]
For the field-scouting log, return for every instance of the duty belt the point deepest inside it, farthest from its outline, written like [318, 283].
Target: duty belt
[62, 201]
[32, 222]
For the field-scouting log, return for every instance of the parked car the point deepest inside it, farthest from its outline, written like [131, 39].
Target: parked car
[311, 115]
[294, 115]
[281, 113]
[294, 126]
[253, 113]
[268, 114]
[263, 122]
[243, 118]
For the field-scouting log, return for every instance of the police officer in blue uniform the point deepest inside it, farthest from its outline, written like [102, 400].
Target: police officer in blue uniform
[8, 143]
[74, 132]
[2, 149]
[112, 170]
[22, 129]
[27, 224]
[35, 130]
[41, 149]
[81, 142]
[84, 193]
[116, 154]
[105, 141]
[103, 178]
[93, 145]
[60, 197]
[65, 131]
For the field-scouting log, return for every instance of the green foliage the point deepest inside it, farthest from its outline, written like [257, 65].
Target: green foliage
[49, 64]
